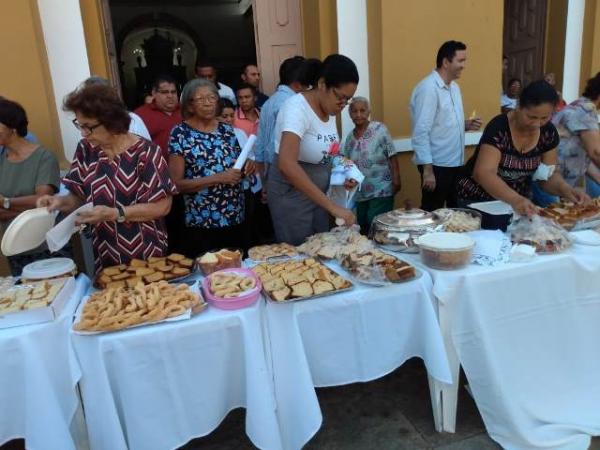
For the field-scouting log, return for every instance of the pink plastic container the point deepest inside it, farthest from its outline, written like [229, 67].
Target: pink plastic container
[230, 303]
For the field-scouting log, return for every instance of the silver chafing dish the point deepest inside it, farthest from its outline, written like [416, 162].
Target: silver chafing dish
[397, 230]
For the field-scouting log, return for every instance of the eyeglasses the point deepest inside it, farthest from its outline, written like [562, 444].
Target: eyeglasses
[87, 129]
[340, 97]
[167, 92]
[206, 100]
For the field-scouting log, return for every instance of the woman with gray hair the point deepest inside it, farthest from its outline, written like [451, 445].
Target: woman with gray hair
[371, 148]
[202, 152]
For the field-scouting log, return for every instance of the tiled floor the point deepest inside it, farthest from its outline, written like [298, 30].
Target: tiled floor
[392, 413]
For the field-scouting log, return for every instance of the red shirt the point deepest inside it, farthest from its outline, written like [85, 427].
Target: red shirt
[159, 124]
[243, 123]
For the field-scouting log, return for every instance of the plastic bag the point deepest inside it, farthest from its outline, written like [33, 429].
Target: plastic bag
[539, 232]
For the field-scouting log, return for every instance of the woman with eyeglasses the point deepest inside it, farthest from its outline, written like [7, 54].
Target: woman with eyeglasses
[27, 171]
[306, 139]
[203, 151]
[125, 178]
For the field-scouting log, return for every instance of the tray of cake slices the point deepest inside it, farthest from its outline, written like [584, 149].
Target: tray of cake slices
[573, 216]
[299, 279]
[172, 268]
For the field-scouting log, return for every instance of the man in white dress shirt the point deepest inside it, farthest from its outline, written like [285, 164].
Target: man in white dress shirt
[438, 127]
[206, 69]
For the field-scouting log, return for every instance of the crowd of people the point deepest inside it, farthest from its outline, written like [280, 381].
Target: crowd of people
[162, 178]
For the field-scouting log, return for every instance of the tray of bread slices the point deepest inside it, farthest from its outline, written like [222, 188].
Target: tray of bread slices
[34, 302]
[299, 279]
[172, 268]
[272, 251]
[573, 216]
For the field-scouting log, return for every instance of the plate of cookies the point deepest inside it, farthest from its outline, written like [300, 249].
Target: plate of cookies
[172, 268]
[231, 288]
[296, 280]
[115, 309]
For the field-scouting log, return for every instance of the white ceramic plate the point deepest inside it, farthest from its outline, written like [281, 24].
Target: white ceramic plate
[27, 231]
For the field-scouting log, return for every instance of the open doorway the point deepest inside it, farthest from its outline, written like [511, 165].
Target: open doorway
[153, 37]
[534, 39]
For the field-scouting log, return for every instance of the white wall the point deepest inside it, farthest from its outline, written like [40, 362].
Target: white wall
[67, 58]
[353, 43]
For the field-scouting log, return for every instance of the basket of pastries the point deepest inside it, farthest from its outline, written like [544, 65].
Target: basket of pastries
[225, 258]
[231, 288]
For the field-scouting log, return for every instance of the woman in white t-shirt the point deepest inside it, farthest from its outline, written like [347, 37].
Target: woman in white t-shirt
[306, 138]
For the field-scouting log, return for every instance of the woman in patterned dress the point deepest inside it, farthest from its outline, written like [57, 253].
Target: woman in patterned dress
[579, 132]
[511, 149]
[371, 148]
[123, 176]
[202, 154]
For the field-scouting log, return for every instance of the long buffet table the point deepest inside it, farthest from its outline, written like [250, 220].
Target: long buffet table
[38, 381]
[526, 335]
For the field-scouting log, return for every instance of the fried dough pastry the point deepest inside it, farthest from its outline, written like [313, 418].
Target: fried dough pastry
[119, 308]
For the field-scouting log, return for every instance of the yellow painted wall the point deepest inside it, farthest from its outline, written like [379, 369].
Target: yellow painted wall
[412, 31]
[554, 50]
[319, 25]
[375, 58]
[95, 38]
[25, 76]
[595, 39]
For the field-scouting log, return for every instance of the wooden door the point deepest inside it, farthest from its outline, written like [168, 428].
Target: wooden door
[113, 64]
[524, 32]
[278, 35]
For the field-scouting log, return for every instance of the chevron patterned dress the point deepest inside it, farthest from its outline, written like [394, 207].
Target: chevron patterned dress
[138, 175]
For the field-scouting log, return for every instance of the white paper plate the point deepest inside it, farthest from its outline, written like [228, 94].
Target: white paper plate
[48, 268]
[27, 231]
[495, 207]
[586, 237]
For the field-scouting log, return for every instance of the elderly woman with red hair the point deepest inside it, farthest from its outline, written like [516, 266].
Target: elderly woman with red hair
[123, 176]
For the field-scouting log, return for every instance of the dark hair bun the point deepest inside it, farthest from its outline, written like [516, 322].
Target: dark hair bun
[537, 93]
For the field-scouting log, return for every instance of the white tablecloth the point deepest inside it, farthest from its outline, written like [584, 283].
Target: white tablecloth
[158, 386]
[356, 336]
[527, 336]
[38, 378]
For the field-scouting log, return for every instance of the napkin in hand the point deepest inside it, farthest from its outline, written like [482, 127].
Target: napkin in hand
[60, 235]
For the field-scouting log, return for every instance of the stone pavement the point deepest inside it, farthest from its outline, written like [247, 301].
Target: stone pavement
[392, 413]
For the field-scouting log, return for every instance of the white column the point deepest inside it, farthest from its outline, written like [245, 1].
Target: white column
[573, 43]
[67, 58]
[353, 43]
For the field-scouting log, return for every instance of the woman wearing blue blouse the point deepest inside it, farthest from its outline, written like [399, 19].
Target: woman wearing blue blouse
[202, 152]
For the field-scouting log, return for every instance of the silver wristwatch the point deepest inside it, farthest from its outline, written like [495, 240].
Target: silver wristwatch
[6, 203]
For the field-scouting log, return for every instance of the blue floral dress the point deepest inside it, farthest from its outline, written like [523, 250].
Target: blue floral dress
[207, 154]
